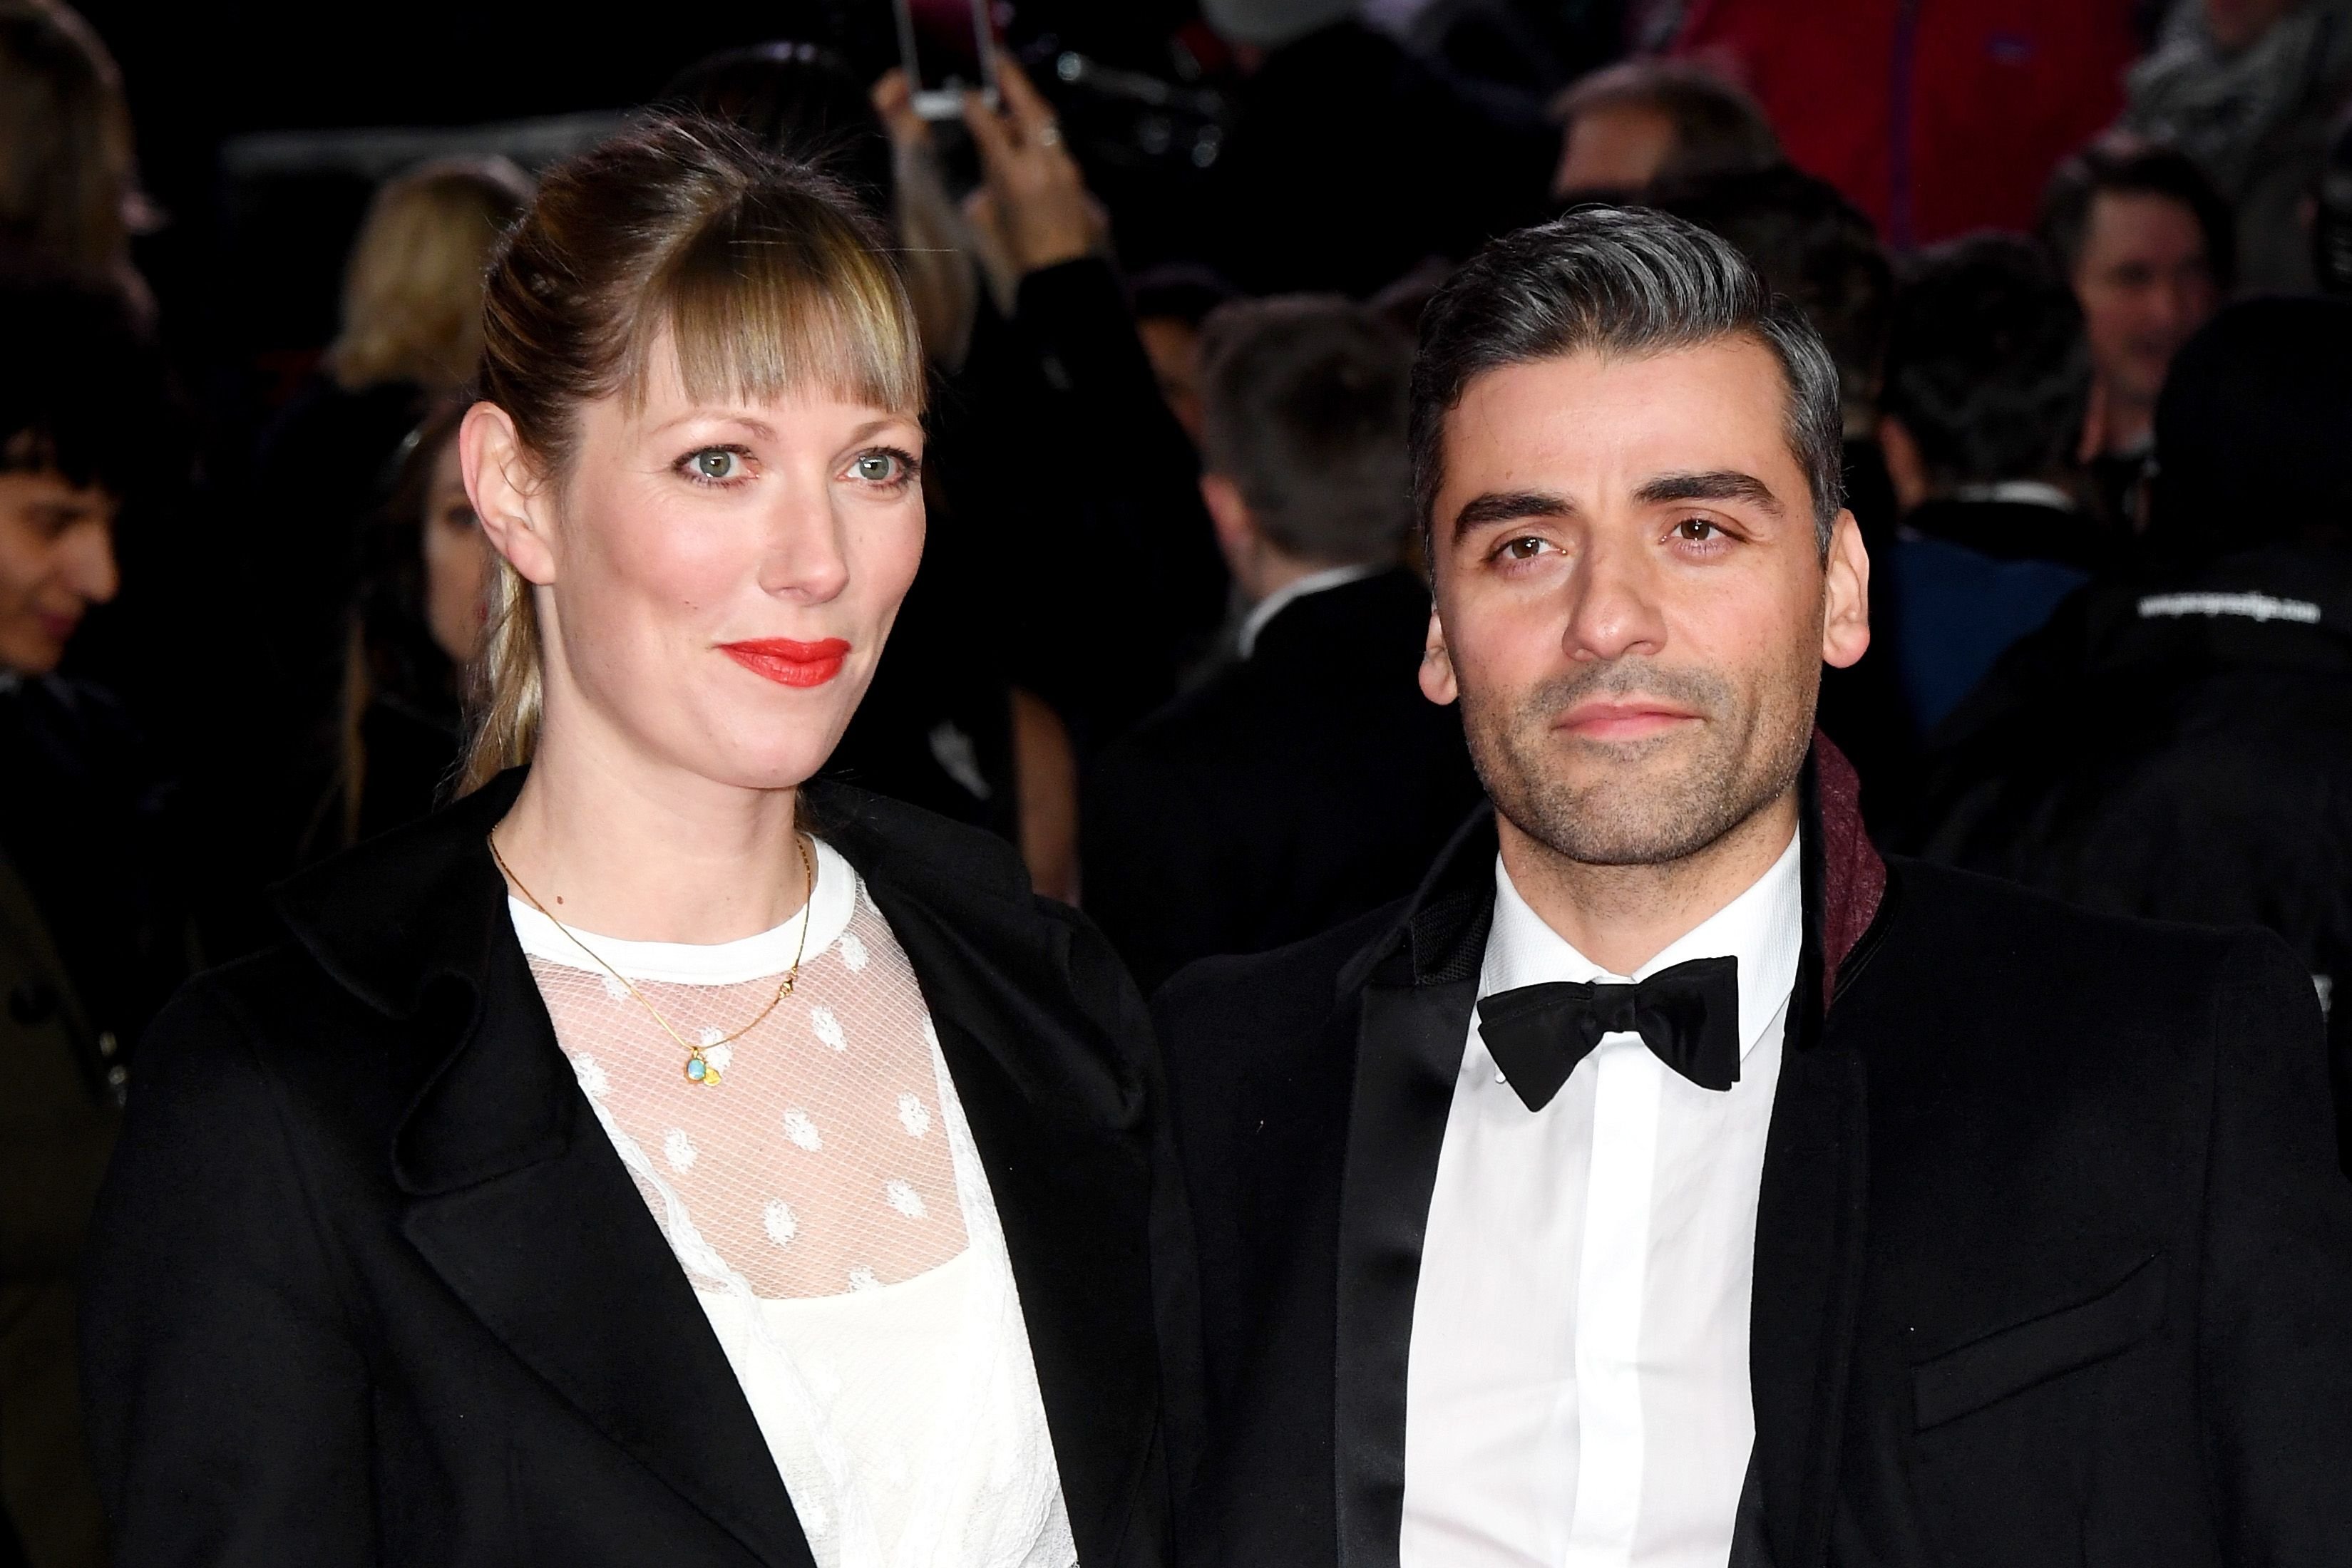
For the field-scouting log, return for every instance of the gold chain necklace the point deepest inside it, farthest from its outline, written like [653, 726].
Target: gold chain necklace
[697, 1069]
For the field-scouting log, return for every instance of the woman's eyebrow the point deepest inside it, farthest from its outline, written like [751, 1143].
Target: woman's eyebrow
[1712, 484]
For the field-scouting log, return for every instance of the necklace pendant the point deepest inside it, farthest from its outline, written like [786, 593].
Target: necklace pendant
[701, 1071]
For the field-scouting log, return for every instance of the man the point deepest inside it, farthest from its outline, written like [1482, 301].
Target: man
[1669, 1180]
[1624, 127]
[1987, 377]
[89, 947]
[2144, 239]
[1306, 782]
[2180, 746]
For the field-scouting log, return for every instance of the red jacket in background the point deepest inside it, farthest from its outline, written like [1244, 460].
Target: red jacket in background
[1935, 117]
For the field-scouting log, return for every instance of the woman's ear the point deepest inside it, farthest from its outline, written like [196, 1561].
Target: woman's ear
[509, 494]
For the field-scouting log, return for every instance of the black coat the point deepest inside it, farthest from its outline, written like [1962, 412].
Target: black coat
[1299, 788]
[368, 1285]
[2175, 766]
[2053, 1265]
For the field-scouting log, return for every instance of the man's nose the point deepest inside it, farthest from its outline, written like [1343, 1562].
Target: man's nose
[1614, 608]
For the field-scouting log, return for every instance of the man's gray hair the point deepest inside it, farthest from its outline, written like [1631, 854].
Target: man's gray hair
[1617, 281]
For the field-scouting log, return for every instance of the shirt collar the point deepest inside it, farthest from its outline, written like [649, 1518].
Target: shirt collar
[1289, 593]
[1763, 928]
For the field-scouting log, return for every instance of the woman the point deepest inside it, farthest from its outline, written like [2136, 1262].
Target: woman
[414, 637]
[654, 1158]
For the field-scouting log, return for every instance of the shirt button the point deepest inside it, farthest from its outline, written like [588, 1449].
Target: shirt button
[108, 1045]
[117, 1075]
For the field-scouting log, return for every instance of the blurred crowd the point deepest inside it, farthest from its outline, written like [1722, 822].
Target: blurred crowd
[2087, 271]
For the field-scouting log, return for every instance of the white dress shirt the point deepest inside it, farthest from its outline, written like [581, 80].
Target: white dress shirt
[1577, 1394]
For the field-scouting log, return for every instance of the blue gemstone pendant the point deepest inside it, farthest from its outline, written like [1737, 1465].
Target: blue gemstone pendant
[701, 1071]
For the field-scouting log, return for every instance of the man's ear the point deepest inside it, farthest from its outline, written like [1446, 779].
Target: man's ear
[1845, 596]
[510, 494]
[1238, 540]
[1437, 680]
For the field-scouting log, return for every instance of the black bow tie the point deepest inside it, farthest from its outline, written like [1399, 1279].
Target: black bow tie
[1689, 1016]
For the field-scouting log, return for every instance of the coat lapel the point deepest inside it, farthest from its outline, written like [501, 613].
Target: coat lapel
[517, 1199]
[1058, 1111]
[1813, 1202]
[1418, 988]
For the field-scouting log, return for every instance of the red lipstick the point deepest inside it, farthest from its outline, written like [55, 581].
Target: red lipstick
[787, 663]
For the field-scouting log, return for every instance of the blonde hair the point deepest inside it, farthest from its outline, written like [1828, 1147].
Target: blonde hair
[69, 177]
[764, 276]
[413, 286]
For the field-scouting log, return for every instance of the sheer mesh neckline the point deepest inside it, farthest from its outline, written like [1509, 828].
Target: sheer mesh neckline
[767, 953]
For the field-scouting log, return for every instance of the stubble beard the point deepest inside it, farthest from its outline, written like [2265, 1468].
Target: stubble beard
[1652, 801]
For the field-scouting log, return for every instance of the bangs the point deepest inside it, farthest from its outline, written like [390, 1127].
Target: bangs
[783, 294]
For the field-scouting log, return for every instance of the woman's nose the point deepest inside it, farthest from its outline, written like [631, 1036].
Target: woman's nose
[806, 556]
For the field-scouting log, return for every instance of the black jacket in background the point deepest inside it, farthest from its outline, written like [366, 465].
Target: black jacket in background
[1299, 788]
[369, 1286]
[2053, 1267]
[2179, 747]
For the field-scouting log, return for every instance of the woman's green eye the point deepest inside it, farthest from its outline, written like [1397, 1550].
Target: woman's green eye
[876, 467]
[716, 462]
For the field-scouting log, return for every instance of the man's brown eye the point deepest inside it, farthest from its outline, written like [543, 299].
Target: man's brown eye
[1697, 531]
[1524, 550]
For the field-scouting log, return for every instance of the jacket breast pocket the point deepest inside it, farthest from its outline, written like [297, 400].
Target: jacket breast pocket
[2010, 1361]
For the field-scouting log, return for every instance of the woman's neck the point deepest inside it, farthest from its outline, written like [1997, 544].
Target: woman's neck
[626, 847]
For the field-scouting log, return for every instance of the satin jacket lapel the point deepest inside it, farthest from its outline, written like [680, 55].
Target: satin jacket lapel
[1060, 1136]
[1809, 1220]
[1416, 1002]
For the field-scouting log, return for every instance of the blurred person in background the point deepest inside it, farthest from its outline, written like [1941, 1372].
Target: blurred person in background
[1816, 249]
[414, 637]
[411, 332]
[69, 173]
[1987, 377]
[1308, 781]
[1631, 125]
[1171, 302]
[1935, 117]
[91, 939]
[1350, 160]
[2145, 241]
[2252, 90]
[2179, 744]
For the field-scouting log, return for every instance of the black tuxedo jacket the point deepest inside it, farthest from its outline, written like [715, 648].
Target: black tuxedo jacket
[2053, 1265]
[1299, 788]
[368, 1285]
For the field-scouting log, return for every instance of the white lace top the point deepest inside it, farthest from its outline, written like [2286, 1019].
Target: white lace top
[828, 1205]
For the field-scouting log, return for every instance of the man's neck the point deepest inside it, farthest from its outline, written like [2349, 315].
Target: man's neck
[1622, 917]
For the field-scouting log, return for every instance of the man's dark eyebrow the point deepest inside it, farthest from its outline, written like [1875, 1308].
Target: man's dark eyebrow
[1507, 507]
[1717, 485]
